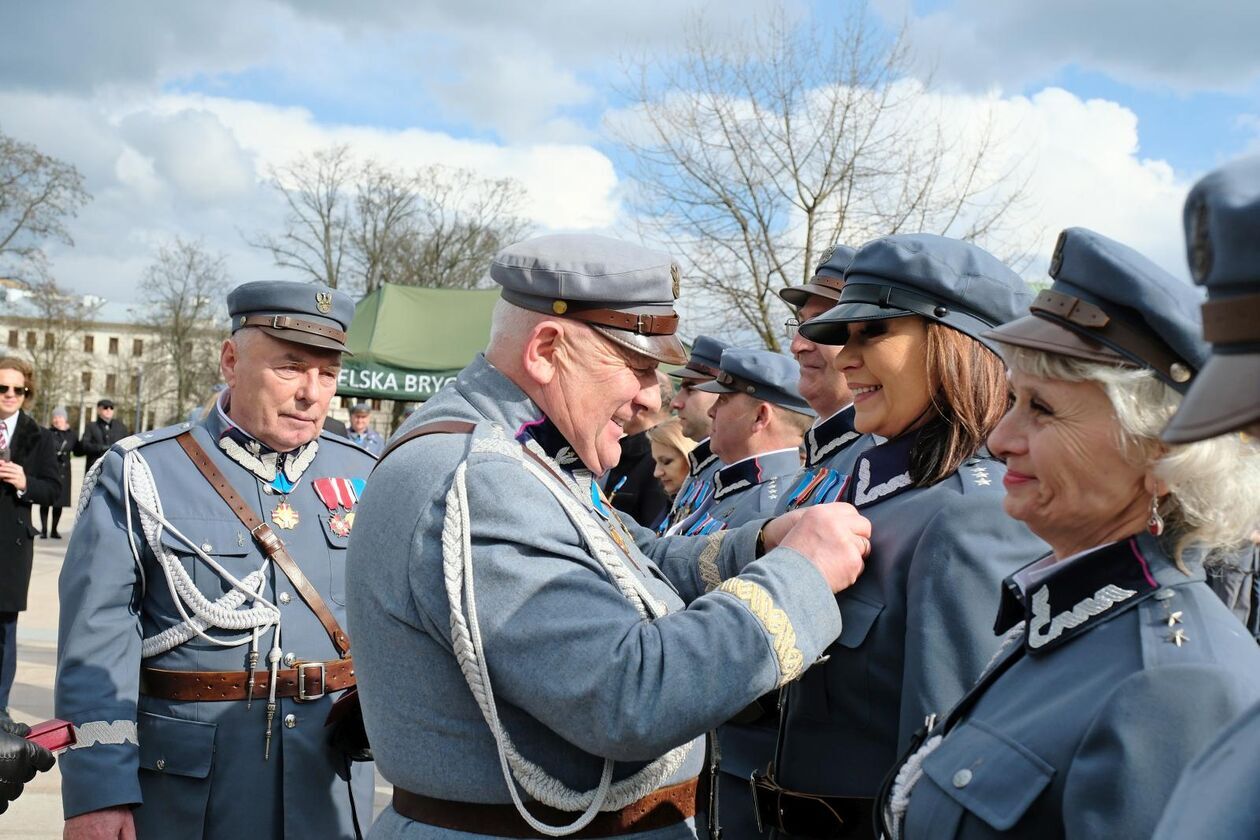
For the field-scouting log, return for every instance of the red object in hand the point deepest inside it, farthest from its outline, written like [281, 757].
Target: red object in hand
[53, 735]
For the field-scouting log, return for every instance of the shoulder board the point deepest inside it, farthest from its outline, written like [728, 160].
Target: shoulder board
[136, 441]
[981, 475]
[326, 436]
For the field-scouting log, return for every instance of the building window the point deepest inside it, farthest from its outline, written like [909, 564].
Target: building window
[86, 379]
[113, 347]
[152, 419]
[13, 338]
[111, 383]
[135, 383]
[137, 347]
[89, 344]
[30, 340]
[49, 341]
[376, 405]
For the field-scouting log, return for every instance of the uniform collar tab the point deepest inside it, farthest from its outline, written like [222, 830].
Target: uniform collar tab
[827, 436]
[1076, 594]
[753, 471]
[701, 457]
[882, 471]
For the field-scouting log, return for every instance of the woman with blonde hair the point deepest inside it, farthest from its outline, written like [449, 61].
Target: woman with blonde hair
[1119, 663]
[670, 448]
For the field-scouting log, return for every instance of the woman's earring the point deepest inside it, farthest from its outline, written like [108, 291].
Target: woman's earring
[1156, 523]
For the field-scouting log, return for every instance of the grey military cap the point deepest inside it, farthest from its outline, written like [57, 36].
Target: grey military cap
[945, 280]
[828, 277]
[705, 360]
[360, 408]
[762, 375]
[624, 291]
[303, 313]
[1222, 221]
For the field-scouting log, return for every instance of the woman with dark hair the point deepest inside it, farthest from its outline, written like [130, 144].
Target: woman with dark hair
[1118, 662]
[64, 440]
[918, 623]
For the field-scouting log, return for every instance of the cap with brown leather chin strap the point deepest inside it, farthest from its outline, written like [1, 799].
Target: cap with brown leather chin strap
[1110, 304]
[623, 291]
[705, 361]
[301, 313]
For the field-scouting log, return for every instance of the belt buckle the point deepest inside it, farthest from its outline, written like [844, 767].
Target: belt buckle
[301, 681]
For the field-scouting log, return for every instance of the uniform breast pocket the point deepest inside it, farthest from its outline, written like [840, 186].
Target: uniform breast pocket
[337, 535]
[176, 757]
[226, 542]
[843, 684]
[980, 772]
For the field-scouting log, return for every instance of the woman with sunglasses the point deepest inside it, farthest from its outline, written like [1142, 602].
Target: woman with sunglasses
[918, 624]
[28, 475]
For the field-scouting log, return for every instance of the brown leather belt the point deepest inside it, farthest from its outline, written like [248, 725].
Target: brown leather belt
[661, 809]
[306, 681]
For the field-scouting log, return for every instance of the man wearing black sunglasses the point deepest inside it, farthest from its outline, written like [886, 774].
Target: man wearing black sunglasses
[28, 475]
[102, 433]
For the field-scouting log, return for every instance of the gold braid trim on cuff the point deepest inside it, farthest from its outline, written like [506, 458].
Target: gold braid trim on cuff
[710, 575]
[776, 622]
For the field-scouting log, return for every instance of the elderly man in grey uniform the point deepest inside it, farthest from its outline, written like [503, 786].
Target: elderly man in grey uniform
[201, 641]
[1219, 792]
[692, 407]
[832, 444]
[531, 664]
[759, 420]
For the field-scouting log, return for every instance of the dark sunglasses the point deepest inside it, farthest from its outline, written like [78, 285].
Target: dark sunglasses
[17, 389]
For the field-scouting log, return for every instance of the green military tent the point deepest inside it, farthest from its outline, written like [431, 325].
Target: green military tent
[408, 342]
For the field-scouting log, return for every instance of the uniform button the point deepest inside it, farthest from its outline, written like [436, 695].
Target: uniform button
[290, 721]
[961, 779]
[206, 547]
[289, 659]
[285, 598]
[160, 764]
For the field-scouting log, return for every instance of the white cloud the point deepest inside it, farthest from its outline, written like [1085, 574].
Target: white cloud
[1186, 44]
[196, 166]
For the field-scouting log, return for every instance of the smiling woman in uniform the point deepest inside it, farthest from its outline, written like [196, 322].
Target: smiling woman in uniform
[917, 625]
[1119, 662]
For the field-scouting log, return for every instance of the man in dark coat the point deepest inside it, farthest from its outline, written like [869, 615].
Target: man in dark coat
[101, 433]
[631, 486]
[28, 475]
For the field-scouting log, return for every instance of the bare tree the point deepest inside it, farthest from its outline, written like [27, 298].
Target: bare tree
[59, 320]
[386, 207]
[463, 221]
[360, 225]
[37, 194]
[317, 192]
[750, 156]
[185, 287]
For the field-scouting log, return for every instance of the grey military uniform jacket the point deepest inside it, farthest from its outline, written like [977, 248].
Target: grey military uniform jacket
[917, 623]
[1124, 669]
[1219, 793]
[196, 768]
[577, 674]
[744, 491]
[697, 489]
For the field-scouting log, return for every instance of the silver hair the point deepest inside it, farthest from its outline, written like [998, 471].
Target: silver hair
[1212, 501]
[510, 324]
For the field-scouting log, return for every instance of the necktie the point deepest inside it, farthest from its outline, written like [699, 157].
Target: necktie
[4, 439]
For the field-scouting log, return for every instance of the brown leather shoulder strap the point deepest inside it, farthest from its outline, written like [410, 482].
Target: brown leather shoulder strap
[439, 427]
[271, 544]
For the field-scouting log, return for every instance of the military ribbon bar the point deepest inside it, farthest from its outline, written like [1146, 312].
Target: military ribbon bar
[326, 489]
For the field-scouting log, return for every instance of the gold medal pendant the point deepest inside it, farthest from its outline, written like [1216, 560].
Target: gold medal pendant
[339, 526]
[284, 516]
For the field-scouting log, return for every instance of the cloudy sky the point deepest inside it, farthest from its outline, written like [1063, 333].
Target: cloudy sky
[175, 111]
